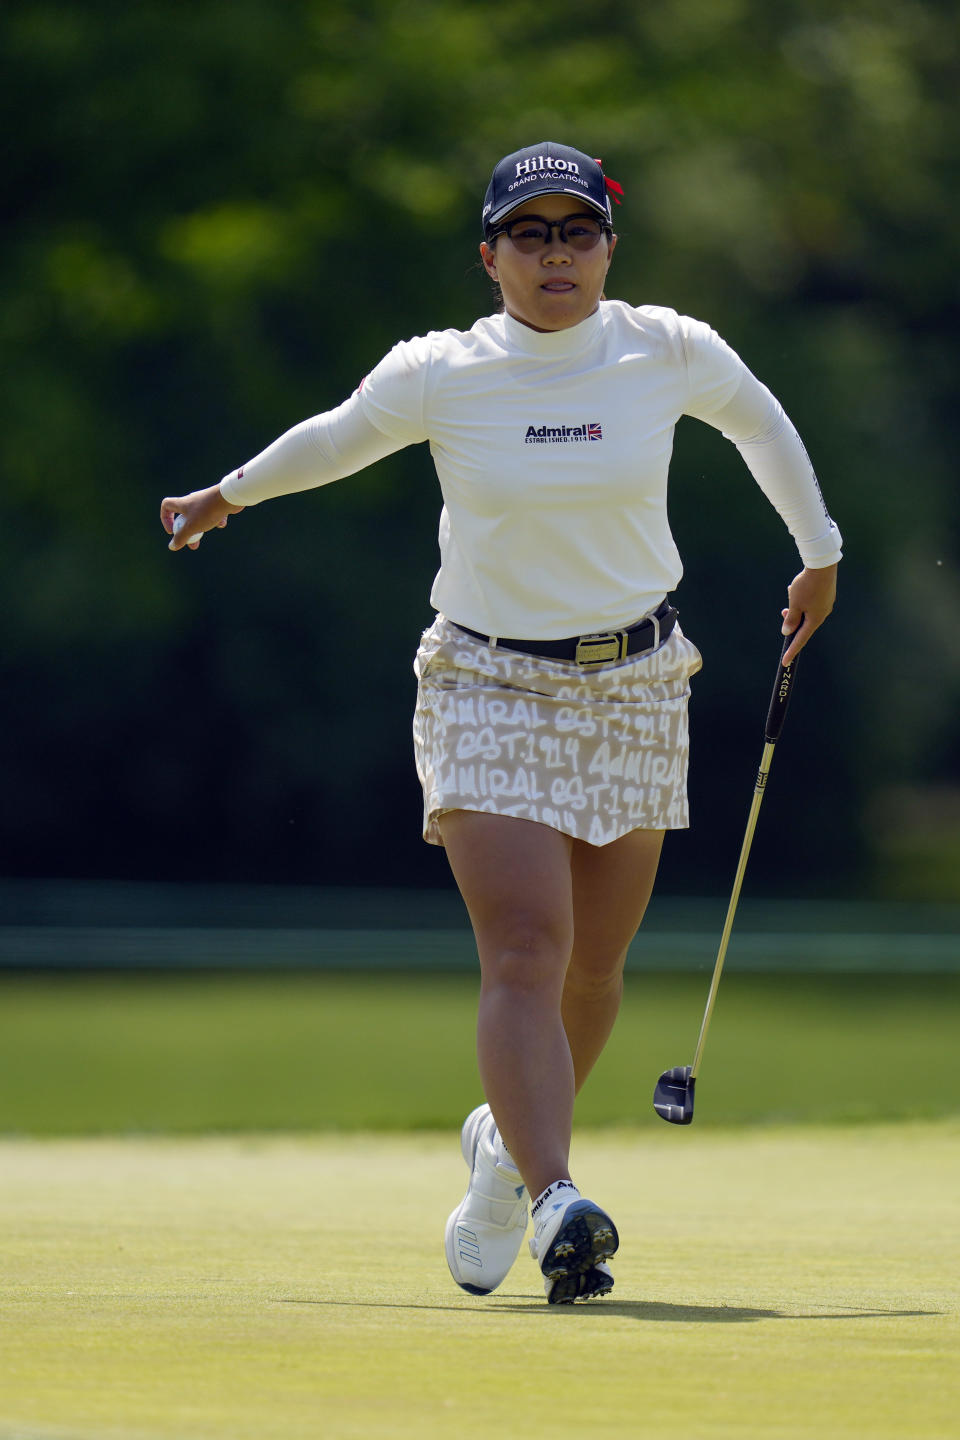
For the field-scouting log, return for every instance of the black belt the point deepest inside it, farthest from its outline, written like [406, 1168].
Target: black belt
[601, 649]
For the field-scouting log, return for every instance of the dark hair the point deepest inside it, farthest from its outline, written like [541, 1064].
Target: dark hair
[494, 284]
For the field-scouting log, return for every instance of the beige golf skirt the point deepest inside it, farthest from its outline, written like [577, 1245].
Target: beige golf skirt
[591, 752]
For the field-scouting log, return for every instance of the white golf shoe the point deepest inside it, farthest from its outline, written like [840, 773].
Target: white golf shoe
[572, 1240]
[485, 1232]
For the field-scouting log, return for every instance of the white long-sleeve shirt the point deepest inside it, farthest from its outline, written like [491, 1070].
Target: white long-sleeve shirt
[552, 452]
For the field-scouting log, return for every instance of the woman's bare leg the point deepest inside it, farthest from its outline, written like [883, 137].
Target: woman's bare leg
[553, 918]
[612, 885]
[515, 877]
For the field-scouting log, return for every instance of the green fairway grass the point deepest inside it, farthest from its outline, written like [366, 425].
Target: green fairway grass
[772, 1284]
[88, 1054]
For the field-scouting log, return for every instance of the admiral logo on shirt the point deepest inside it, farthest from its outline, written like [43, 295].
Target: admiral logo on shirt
[562, 434]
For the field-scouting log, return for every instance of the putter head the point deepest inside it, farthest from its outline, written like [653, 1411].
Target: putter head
[673, 1097]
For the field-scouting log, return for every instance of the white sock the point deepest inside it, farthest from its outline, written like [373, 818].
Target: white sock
[561, 1192]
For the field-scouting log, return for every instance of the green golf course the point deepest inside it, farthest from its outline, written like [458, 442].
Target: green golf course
[781, 1282]
[223, 1201]
[195, 1053]
[238, 992]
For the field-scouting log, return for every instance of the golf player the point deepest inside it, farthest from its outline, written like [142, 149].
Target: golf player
[551, 721]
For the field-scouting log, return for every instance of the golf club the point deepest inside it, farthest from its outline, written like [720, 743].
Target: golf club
[673, 1096]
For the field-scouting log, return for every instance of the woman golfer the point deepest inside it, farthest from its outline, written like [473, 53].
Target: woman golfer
[551, 720]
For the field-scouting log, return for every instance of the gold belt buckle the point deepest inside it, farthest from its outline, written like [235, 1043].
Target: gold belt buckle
[601, 649]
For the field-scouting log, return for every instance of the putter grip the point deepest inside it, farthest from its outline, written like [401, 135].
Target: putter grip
[780, 699]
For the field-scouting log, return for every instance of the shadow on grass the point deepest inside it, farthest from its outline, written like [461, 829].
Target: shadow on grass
[651, 1311]
[654, 1311]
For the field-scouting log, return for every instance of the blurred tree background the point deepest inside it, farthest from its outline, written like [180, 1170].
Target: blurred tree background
[219, 217]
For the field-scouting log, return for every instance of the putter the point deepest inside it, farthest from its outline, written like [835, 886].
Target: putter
[673, 1096]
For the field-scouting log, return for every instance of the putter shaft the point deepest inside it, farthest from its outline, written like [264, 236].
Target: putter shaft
[776, 714]
[758, 791]
[673, 1096]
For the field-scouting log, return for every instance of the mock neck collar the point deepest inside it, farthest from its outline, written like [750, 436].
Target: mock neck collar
[557, 343]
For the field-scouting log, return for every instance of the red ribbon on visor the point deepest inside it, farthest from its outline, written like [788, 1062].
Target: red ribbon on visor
[615, 189]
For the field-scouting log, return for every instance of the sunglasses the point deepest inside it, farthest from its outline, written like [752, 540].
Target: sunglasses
[533, 232]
